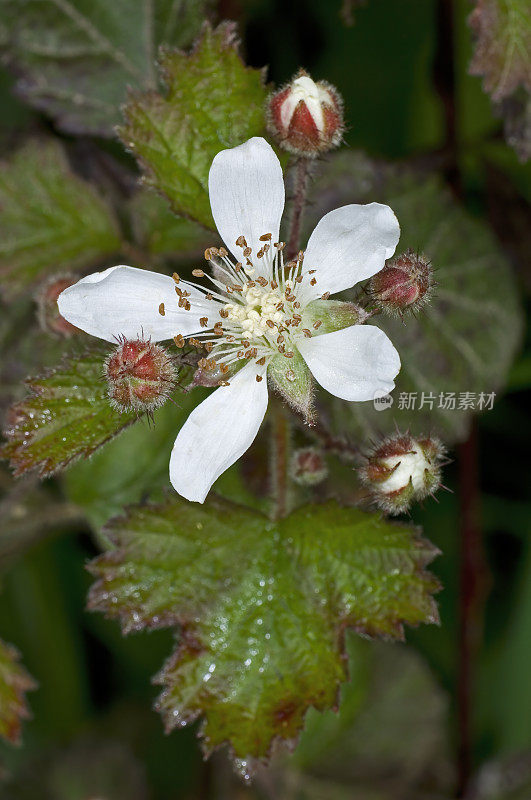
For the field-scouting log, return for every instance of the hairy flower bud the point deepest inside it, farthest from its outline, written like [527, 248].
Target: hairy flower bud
[404, 284]
[306, 118]
[308, 466]
[140, 375]
[401, 470]
[49, 318]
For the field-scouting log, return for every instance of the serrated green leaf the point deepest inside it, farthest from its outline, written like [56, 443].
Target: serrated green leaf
[78, 57]
[262, 633]
[503, 46]
[14, 683]
[68, 415]
[466, 338]
[50, 219]
[159, 232]
[213, 101]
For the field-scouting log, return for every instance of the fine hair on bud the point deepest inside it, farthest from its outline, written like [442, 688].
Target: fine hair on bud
[401, 470]
[48, 316]
[308, 466]
[140, 375]
[306, 117]
[405, 284]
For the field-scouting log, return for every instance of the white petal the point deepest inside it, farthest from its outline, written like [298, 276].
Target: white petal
[407, 467]
[348, 245]
[217, 433]
[305, 89]
[125, 301]
[355, 363]
[246, 190]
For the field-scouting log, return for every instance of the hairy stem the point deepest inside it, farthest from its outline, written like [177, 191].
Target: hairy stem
[280, 424]
[302, 174]
[280, 456]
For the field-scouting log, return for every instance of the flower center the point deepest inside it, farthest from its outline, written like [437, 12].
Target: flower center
[257, 306]
[253, 318]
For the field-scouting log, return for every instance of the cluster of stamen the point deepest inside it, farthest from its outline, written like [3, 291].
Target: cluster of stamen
[253, 318]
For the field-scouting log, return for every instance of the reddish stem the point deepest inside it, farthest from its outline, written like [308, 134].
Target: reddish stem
[473, 582]
[302, 173]
[444, 80]
[472, 559]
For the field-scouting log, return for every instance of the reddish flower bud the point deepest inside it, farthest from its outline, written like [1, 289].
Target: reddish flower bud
[140, 375]
[308, 466]
[405, 283]
[306, 118]
[401, 470]
[50, 320]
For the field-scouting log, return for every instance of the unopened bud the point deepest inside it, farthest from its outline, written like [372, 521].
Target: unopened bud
[404, 284]
[140, 375]
[306, 118]
[308, 466]
[49, 318]
[401, 470]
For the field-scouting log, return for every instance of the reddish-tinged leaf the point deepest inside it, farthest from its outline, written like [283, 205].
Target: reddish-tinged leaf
[503, 33]
[14, 683]
[262, 607]
[67, 416]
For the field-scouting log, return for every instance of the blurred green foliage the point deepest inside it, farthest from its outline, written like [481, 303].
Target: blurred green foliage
[92, 733]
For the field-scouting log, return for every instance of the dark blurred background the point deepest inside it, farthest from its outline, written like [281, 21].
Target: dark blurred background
[457, 699]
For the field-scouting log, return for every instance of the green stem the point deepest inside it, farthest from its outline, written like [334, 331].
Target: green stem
[280, 457]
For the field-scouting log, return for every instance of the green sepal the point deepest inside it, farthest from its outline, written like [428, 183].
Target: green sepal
[333, 315]
[293, 381]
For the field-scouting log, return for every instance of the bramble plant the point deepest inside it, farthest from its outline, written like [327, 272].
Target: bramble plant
[251, 512]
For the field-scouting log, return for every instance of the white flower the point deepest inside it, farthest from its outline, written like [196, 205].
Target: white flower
[253, 316]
